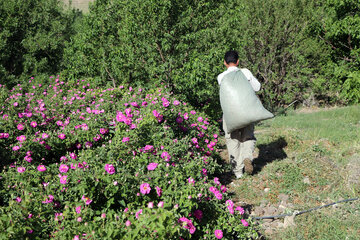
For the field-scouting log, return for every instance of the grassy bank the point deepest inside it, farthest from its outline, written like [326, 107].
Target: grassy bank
[306, 159]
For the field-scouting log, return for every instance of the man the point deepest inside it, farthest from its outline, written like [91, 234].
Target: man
[241, 142]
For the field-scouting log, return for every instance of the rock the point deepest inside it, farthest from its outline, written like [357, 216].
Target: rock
[283, 197]
[284, 203]
[259, 211]
[269, 231]
[266, 190]
[289, 221]
[274, 224]
[306, 180]
[290, 205]
[263, 203]
[270, 211]
[282, 208]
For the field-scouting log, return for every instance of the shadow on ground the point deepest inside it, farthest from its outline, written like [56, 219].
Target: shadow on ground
[270, 152]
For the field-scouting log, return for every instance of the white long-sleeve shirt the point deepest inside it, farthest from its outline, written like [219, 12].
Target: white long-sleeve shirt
[250, 77]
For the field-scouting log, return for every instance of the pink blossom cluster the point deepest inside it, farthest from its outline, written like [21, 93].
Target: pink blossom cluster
[68, 122]
[216, 192]
[230, 206]
[186, 223]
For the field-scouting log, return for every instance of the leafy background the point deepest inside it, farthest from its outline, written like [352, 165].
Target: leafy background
[301, 50]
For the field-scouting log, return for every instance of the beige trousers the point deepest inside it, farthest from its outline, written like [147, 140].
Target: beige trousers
[241, 145]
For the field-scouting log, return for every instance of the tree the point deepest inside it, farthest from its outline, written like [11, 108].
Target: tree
[339, 29]
[182, 43]
[32, 37]
[146, 42]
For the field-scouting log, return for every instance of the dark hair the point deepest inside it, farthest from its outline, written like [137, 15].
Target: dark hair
[231, 57]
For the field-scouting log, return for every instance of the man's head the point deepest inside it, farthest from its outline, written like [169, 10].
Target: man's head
[231, 59]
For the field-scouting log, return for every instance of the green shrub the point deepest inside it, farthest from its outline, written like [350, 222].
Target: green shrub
[337, 27]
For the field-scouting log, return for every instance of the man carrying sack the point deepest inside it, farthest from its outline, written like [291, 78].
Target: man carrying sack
[241, 109]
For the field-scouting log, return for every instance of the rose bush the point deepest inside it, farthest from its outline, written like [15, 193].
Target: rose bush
[81, 162]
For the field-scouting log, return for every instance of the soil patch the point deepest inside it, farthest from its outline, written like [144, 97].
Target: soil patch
[353, 169]
[314, 109]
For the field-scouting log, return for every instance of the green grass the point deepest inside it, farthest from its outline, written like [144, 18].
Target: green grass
[316, 145]
[336, 125]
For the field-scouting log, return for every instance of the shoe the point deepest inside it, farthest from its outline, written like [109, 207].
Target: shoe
[249, 168]
[238, 175]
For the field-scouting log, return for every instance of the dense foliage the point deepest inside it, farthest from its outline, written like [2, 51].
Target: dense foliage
[339, 78]
[300, 50]
[120, 42]
[85, 162]
[32, 37]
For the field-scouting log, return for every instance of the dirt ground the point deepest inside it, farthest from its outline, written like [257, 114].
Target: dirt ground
[281, 206]
[266, 208]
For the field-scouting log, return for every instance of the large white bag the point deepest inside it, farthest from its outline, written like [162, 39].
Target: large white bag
[239, 103]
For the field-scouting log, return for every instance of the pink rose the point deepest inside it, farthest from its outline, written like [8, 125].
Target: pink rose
[148, 148]
[218, 195]
[62, 136]
[240, 209]
[186, 223]
[21, 138]
[109, 168]
[161, 204]
[158, 191]
[33, 124]
[245, 223]
[191, 181]
[218, 234]
[145, 188]
[87, 200]
[152, 166]
[45, 136]
[73, 155]
[166, 156]
[41, 168]
[63, 168]
[15, 148]
[63, 179]
[78, 209]
[138, 213]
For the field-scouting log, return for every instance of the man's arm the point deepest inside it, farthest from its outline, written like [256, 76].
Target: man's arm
[252, 80]
[220, 77]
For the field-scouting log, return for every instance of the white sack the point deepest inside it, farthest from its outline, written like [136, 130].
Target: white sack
[239, 103]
